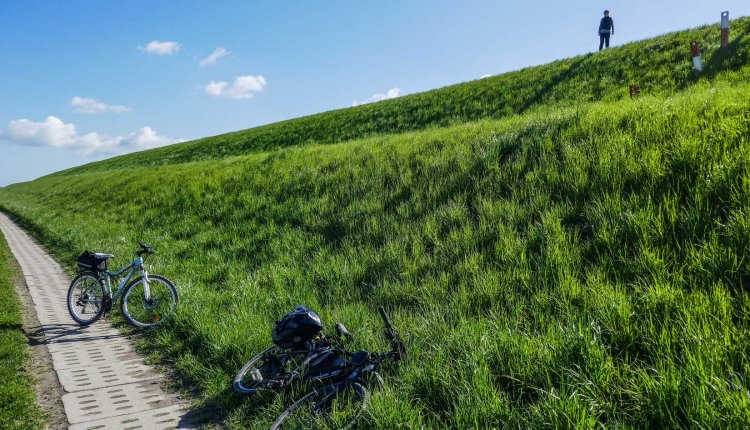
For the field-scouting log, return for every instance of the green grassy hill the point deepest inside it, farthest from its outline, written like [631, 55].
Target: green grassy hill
[567, 258]
[660, 66]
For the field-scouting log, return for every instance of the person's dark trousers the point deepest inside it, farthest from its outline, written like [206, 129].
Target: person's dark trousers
[603, 39]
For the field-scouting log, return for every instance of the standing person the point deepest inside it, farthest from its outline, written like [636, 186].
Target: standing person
[606, 28]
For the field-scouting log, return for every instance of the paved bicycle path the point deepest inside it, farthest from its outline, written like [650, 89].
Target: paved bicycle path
[107, 384]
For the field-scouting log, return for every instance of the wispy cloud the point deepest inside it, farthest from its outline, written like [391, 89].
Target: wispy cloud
[161, 48]
[84, 105]
[53, 132]
[211, 59]
[391, 94]
[243, 87]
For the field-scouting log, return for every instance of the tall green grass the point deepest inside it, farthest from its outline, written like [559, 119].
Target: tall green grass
[660, 65]
[572, 267]
[18, 407]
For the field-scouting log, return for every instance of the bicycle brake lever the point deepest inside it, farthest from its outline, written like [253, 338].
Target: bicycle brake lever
[343, 332]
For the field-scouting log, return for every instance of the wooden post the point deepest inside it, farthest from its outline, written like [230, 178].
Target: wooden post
[724, 29]
[635, 91]
[695, 49]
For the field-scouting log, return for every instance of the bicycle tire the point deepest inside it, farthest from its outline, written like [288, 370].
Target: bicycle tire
[324, 398]
[241, 387]
[155, 316]
[93, 285]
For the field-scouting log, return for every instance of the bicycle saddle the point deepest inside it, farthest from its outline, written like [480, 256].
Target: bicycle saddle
[101, 256]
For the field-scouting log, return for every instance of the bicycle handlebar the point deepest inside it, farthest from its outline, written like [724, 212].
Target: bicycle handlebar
[386, 321]
[399, 350]
[145, 249]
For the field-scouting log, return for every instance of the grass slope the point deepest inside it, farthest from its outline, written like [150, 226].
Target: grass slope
[661, 66]
[18, 408]
[576, 266]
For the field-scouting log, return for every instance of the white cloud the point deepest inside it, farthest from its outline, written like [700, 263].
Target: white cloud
[84, 105]
[53, 132]
[244, 87]
[391, 94]
[485, 76]
[211, 59]
[215, 88]
[161, 48]
[146, 138]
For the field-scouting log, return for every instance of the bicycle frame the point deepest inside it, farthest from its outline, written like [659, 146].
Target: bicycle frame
[134, 266]
[356, 373]
[317, 351]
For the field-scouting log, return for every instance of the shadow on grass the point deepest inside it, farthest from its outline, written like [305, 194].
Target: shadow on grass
[559, 79]
[11, 326]
[198, 417]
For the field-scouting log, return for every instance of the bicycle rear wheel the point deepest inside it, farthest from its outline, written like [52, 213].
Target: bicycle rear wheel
[147, 313]
[335, 406]
[85, 297]
[265, 371]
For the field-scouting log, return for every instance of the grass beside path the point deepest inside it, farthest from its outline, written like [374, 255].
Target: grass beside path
[584, 267]
[18, 408]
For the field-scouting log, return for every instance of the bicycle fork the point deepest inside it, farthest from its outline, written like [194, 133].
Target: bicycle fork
[107, 299]
[146, 288]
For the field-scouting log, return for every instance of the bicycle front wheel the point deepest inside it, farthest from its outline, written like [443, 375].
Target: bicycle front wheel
[336, 406]
[147, 312]
[85, 297]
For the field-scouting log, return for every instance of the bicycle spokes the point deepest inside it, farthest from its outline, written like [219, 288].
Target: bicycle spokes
[144, 308]
[148, 303]
[89, 301]
[330, 407]
[85, 297]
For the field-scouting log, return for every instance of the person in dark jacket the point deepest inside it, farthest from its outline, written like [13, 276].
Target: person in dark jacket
[606, 28]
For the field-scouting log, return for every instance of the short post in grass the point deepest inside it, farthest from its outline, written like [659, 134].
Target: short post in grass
[695, 49]
[635, 91]
[724, 29]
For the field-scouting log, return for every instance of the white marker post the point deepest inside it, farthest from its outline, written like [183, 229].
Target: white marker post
[724, 29]
[695, 48]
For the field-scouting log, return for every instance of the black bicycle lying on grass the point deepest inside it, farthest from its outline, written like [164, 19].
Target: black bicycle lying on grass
[334, 381]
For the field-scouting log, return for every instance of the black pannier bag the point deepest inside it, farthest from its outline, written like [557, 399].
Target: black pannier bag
[326, 365]
[88, 261]
[296, 328]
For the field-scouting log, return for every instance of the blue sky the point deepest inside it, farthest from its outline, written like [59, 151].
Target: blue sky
[84, 80]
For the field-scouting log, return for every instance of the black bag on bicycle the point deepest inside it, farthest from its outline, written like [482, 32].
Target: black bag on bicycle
[88, 261]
